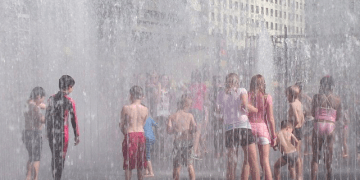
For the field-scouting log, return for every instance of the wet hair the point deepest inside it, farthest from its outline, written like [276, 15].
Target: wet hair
[257, 84]
[65, 82]
[136, 92]
[232, 80]
[285, 123]
[293, 91]
[326, 84]
[185, 101]
[300, 85]
[37, 91]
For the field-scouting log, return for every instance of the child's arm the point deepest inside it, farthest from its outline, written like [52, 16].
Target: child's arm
[74, 121]
[294, 113]
[123, 120]
[248, 106]
[193, 127]
[270, 116]
[294, 139]
[169, 128]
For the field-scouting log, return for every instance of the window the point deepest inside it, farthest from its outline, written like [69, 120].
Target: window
[301, 31]
[300, 18]
[275, 13]
[252, 8]
[267, 0]
[297, 5]
[297, 29]
[300, 5]
[289, 3]
[257, 23]
[280, 27]
[225, 20]
[257, 9]
[236, 20]
[236, 5]
[230, 33]
[280, 14]
[297, 17]
[276, 26]
[224, 4]
[237, 35]
[272, 26]
[275, 1]
[218, 17]
[212, 16]
[230, 19]
[284, 15]
[247, 7]
[271, 12]
[262, 10]
[267, 11]
[212, 2]
[242, 20]
[230, 4]
[225, 33]
[267, 25]
[242, 6]
[219, 2]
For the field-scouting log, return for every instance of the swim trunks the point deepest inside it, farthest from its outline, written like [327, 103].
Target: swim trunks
[33, 143]
[182, 152]
[291, 158]
[238, 136]
[133, 149]
[149, 144]
[297, 133]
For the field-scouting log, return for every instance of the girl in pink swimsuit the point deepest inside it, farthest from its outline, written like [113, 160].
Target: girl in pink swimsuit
[262, 121]
[326, 108]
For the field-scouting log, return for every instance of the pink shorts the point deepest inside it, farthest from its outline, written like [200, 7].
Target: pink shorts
[261, 133]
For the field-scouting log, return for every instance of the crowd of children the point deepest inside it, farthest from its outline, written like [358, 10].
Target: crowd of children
[241, 118]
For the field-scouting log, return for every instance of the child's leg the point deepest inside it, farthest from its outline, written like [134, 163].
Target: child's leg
[140, 173]
[231, 161]
[279, 163]
[292, 170]
[264, 151]
[344, 137]
[191, 172]
[29, 169]
[149, 170]
[299, 162]
[127, 174]
[328, 156]
[250, 163]
[36, 165]
[176, 173]
[316, 145]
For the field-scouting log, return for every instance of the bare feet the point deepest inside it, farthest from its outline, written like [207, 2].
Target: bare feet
[149, 175]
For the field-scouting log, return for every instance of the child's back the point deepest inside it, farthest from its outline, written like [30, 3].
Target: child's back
[284, 142]
[296, 114]
[183, 124]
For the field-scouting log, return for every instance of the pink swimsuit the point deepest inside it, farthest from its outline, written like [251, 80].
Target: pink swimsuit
[325, 123]
[257, 120]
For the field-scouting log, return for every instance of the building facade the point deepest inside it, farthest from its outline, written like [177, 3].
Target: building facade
[236, 20]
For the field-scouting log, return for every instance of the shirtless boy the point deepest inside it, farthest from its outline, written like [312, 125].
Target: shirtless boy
[296, 116]
[133, 118]
[287, 149]
[183, 126]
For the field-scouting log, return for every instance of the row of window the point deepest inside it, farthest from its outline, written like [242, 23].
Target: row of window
[235, 19]
[237, 4]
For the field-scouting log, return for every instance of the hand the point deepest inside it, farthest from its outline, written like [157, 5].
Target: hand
[273, 142]
[77, 140]
[42, 106]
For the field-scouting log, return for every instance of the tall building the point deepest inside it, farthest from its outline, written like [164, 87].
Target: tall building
[237, 20]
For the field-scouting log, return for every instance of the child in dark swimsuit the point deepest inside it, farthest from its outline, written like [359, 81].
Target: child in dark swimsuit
[288, 150]
[32, 135]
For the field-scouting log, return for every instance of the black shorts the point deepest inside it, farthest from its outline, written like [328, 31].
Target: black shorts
[238, 136]
[33, 143]
[291, 158]
[298, 133]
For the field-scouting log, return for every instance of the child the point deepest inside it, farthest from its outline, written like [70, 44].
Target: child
[60, 107]
[150, 140]
[287, 149]
[296, 116]
[133, 118]
[183, 126]
[32, 137]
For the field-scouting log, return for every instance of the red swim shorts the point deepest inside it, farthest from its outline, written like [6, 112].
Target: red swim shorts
[133, 148]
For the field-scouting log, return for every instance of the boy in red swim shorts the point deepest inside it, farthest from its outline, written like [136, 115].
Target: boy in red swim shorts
[133, 118]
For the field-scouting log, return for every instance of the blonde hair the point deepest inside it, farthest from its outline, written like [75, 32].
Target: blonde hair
[257, 84]
[232, 80]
